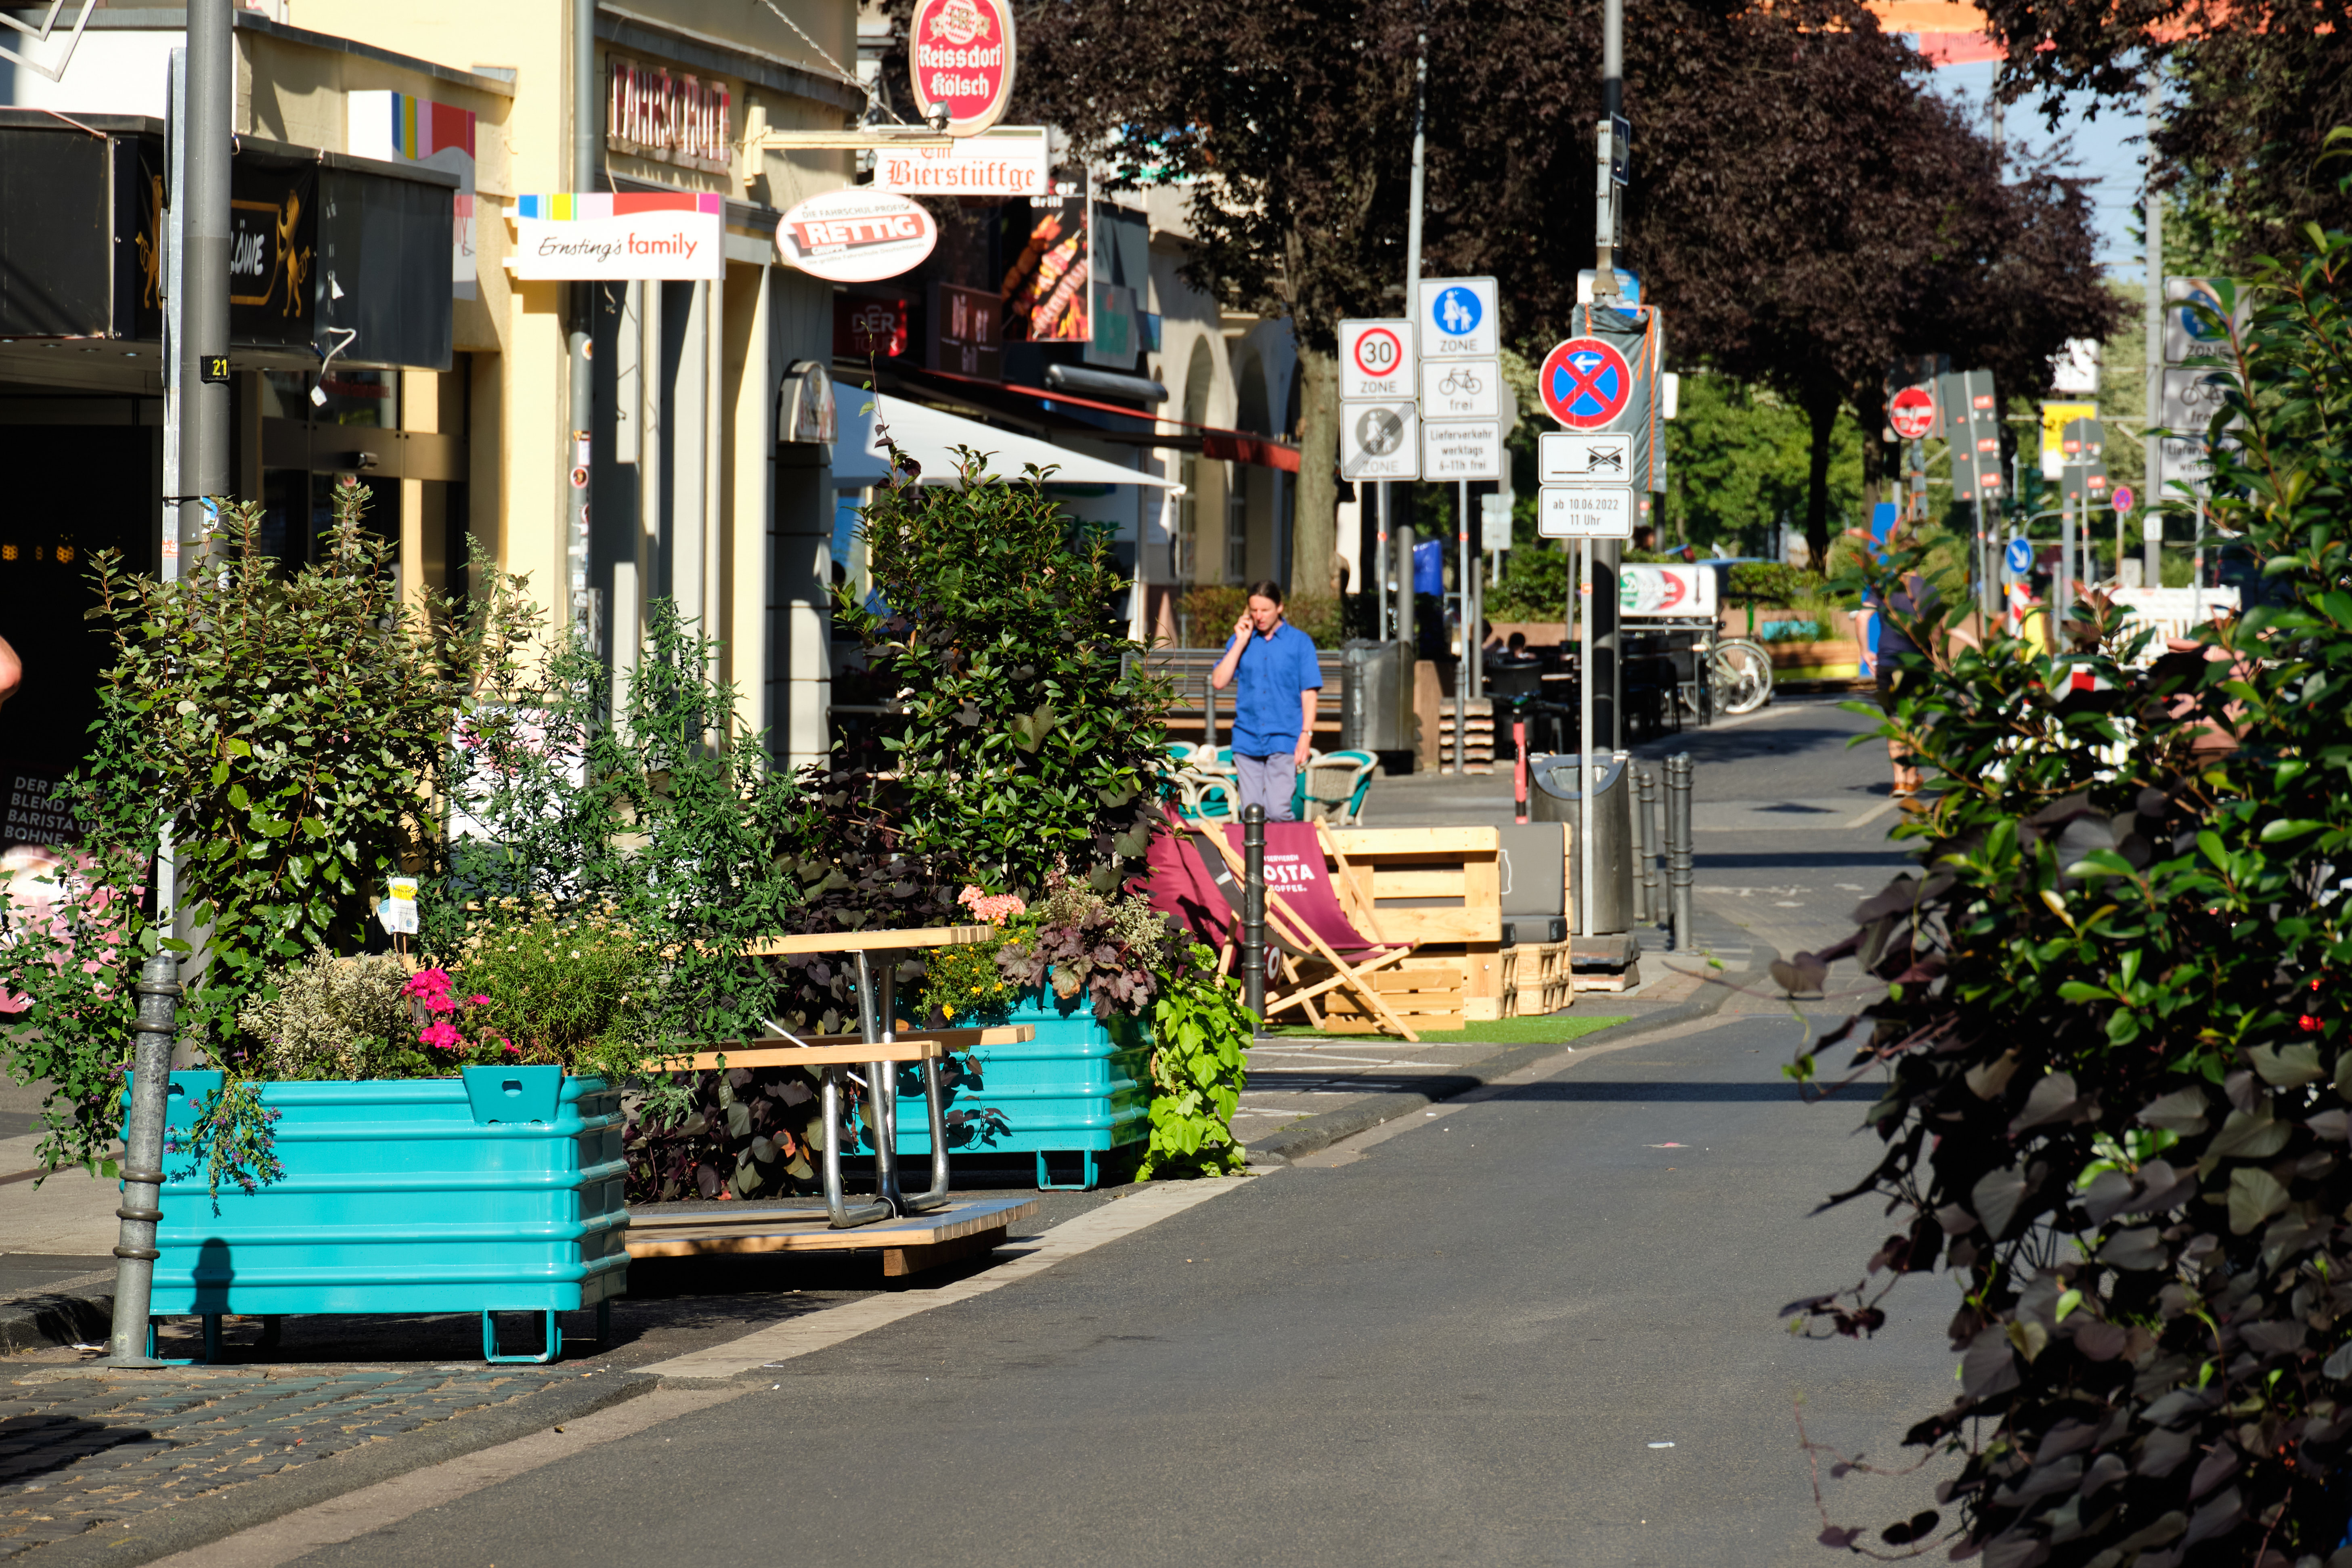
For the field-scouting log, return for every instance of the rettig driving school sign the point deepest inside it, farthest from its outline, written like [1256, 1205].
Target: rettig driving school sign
[856, 234]
[959, 60]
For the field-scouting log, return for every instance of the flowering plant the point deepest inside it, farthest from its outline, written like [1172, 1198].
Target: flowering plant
[432, 993]
[993, 908]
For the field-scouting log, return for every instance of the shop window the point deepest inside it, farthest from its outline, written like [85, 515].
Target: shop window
[364, 399]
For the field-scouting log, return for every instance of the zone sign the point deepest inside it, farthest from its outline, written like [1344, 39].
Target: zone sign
[1375, 361]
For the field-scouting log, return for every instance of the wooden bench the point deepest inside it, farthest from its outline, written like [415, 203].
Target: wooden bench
[908, 1245]
[1197, 704]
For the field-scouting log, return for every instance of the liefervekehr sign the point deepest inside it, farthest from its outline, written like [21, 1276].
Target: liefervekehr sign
[680, 236]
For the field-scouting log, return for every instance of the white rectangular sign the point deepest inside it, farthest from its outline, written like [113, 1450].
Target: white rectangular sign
[1461, 389]
[1460, 317]
[1682, 592]
[1495, 521]
[673, 246]
[1380, 441]
[1375, 362]
[1585, 511]
[1462, 449]
[1575, 457]
[1002, 161]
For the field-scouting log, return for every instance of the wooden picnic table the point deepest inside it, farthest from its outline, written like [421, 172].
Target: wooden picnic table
[878, 1047]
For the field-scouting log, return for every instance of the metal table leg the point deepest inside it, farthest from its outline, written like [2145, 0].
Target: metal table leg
[936, 1099]
[878, 1025]
[844, 1215]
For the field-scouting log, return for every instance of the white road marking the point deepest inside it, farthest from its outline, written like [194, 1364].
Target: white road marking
[1873, 815]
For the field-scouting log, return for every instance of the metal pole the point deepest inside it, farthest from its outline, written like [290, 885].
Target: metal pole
[206, 416]
[1254, 914]
[587, 127]
[1607, 556]
[143, 1162]
[1380, 501]
[2063, 597]
[175, 241]
[1639, 784]
[1646, 802]
[1473, 643]
[1584, 683]
[1612, 103]
[1412, 212]
[1678, 847]
[2152, 313]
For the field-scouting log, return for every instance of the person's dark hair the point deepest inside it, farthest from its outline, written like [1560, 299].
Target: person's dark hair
[1265, 588]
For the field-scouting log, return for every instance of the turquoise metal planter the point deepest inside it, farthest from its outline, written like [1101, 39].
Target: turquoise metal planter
[497, 1191]
[1078, 1091]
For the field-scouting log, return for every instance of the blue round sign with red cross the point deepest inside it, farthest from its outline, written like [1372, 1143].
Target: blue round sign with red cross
[1585, 383]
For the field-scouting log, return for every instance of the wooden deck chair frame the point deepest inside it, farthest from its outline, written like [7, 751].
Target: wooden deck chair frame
[1345, 976]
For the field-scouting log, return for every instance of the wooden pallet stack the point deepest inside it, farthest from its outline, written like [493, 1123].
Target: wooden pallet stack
[1438, 888]
[1477, 735]
[1536, 979]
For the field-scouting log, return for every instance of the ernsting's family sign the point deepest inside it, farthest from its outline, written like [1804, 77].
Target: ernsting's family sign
[676, 236]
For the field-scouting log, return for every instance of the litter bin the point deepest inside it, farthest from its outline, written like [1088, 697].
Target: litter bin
[1376, 702]
[1554, 797]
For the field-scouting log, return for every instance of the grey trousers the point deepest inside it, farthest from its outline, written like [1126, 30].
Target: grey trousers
[1268, 782]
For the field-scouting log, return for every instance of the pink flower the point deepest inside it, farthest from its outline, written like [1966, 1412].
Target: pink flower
[441, 1036]
[477, 1001]
[427, 982]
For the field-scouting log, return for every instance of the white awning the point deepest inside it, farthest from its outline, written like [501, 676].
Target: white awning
[930, 438]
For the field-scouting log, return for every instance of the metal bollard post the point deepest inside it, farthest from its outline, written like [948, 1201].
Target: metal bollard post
[1640, 786]
[1678, 847]
[143, 1162]
[1254, 914]
[1647, 804]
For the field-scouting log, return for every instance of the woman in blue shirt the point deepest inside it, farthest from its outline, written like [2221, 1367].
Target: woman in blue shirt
[1273, 710]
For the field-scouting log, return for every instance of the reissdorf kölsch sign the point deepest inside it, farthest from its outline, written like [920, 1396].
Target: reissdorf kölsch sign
[960, 58]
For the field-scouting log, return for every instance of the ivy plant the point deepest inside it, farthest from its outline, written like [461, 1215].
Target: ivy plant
[2111, 1071]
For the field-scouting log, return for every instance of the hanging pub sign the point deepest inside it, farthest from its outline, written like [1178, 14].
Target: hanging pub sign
[678, 235]
[959, 60]
[856, 234]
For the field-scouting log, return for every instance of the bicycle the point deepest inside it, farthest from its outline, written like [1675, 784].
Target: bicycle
[1736, 676]
[1461, 381]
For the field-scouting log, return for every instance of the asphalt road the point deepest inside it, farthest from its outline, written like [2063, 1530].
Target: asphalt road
[1464, 1345]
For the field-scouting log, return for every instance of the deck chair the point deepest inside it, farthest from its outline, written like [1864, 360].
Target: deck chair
[1306, 920]
[1179, 887]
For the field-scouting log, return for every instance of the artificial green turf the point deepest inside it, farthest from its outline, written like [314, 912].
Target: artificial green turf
[1497, 1031]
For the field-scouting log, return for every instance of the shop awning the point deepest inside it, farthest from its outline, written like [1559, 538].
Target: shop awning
[930, 438]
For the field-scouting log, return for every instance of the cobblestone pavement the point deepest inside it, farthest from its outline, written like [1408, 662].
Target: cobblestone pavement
[80, 1448]
[79, 1451]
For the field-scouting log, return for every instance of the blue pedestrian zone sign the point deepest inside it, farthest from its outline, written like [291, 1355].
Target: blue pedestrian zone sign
[1456, 313]
[2020, 557]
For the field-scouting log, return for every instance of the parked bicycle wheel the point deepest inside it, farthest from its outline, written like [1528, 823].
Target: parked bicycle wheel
[1743, 675]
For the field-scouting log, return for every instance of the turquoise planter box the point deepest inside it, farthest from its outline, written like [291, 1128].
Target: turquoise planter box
[499, 1191]
[1078, 1091]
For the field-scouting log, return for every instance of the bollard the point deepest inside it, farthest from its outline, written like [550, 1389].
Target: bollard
[1520, 769]
[1652, 833]
[1208, 712]
[143, 1162]
[1678, 848]
[1643, 914]
[1254, 914]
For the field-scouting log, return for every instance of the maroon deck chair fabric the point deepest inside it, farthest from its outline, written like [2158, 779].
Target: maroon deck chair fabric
[1295, 874]
[1180, 887]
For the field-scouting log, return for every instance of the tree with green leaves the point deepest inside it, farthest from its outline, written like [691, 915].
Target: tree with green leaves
[2112, 1072]
[1029, 740]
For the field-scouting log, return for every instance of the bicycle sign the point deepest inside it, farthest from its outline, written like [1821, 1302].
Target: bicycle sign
[1585, 383]
[1461, 389]
[1375, 361]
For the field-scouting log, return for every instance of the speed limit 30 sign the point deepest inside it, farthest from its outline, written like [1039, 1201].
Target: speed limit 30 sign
[1375, 361]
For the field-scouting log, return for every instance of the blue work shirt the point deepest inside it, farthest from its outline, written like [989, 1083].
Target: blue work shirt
[1273, 671]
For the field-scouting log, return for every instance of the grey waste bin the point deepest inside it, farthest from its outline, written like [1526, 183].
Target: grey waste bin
[1376, 705]
[1554, 797]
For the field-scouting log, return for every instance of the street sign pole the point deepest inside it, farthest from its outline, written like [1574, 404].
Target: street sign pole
[1584, 736]
[1377, 498]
